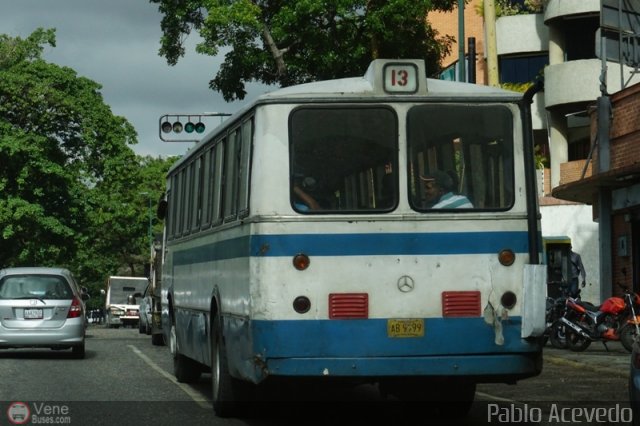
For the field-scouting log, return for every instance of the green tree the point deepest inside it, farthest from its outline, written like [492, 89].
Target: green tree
[291, 42]
[61, 148]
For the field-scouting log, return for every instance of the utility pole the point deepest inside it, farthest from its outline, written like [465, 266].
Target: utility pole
[462, 74]
[492, 49]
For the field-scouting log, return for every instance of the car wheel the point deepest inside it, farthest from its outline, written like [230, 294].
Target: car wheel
[157, 339]
[228, 393]
[78, 351]
[185, 369]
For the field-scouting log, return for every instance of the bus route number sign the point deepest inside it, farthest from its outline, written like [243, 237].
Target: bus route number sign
[400, 78]
[405, 327]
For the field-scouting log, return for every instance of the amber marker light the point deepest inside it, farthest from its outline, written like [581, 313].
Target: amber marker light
[301, 261]
[507, 257]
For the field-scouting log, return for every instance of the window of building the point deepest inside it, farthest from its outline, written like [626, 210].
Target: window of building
[521, 69]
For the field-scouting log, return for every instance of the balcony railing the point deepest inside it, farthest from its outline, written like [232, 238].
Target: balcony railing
[572, 171]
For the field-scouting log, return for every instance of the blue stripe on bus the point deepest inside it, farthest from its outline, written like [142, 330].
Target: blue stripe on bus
[390, 244]
[450, 346]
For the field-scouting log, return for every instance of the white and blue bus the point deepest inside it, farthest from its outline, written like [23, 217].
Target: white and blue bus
[301, 240]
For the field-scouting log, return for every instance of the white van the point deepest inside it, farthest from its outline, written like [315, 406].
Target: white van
[122, 303]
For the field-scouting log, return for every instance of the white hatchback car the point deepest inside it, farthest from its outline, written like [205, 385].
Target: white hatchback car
[42, 308]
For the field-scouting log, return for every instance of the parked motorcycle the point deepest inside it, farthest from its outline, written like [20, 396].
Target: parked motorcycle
[555, 310]
[556, 307]
[614, 320]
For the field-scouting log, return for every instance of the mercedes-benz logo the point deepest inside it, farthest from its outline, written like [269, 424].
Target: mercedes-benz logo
[405, 284]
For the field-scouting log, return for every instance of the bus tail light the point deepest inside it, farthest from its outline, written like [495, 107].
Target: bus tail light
[301, 261]
[348, 305]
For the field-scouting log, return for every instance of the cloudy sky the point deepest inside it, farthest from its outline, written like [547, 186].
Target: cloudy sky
[115, 43]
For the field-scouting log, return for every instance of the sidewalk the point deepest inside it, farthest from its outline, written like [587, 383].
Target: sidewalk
[595, 357]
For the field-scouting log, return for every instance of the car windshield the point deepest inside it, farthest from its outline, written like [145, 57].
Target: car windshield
[34, 286]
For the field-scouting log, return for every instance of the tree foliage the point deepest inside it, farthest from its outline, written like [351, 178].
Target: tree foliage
[72, 191]
[291, 42]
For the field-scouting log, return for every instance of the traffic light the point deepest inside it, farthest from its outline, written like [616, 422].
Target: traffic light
[171, 123]
[191, 127]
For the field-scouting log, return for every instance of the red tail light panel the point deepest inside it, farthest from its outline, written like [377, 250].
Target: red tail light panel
[461, 304]
[348, 305]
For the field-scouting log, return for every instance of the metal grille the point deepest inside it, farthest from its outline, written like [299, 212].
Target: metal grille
[348, 305]
[461, 303]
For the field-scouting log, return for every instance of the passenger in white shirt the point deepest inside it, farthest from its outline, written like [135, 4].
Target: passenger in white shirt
[439, 192]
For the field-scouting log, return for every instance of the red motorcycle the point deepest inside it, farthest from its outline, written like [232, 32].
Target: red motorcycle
[614, 320]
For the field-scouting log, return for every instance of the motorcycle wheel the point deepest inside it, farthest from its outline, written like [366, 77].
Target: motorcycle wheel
[627, 336]
[557, 336]
[576, 342]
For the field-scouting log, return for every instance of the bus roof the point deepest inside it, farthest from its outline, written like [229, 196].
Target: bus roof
[372, 84]
[372, 87]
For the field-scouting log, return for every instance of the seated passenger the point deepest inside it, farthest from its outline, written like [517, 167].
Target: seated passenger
[439, 188]
[304, 202]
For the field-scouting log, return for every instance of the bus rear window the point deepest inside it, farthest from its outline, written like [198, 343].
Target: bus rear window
[343, 160]
[460, 157]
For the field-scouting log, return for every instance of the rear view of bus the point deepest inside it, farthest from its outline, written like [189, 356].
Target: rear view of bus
[390, 236]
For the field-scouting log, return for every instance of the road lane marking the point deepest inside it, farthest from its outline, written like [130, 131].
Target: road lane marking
[198, 397]
[497, 398]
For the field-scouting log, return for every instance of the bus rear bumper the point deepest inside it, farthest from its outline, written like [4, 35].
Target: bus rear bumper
[479, 368]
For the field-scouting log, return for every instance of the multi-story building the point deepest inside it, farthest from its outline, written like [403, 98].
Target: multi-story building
[557, 39]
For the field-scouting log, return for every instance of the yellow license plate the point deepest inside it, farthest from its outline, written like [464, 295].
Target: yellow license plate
[405, 328]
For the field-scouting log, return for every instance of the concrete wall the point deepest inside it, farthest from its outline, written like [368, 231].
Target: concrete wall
[576, 222]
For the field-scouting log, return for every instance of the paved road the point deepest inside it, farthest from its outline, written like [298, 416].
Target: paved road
[126, 380]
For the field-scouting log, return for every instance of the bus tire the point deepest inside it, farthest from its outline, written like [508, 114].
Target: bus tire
[228, 393]
[185, 369]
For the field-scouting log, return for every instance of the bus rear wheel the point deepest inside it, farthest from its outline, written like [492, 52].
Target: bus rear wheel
[228, 393]
[185, 369]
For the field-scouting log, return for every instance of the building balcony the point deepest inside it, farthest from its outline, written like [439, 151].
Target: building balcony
[572, 171]
[573, 82]
[532, 34]
[566, 8]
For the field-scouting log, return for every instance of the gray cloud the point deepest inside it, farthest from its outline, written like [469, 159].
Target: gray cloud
[115, 43]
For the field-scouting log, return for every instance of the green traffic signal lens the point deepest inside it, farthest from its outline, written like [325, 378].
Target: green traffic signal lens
[189, 127]
[200, 127]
